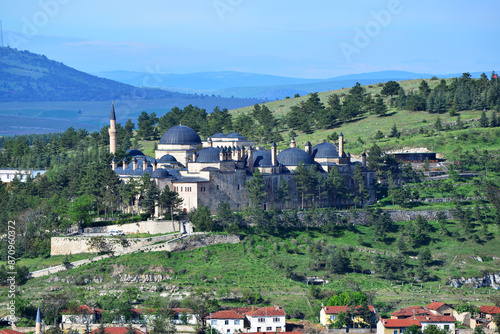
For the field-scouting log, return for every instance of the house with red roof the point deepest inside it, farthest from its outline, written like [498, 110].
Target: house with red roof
[395, 326]
[180, 313]
[117, 330]
[438, 308]
[82, 314]
[408, 312]
[328, 315]
[226, 322]
[488, 312]
[266, 319]
[440, 321]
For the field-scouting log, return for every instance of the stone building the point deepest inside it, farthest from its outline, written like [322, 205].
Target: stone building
[216, 170]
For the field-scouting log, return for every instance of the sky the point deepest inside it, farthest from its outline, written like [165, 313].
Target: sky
[317, 39]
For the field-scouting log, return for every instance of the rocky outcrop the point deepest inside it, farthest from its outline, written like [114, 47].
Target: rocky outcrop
[490, 280]
[202, 241]
[144, 278]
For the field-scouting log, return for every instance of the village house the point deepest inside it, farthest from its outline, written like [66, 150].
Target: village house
[438, 308]
[179, 313]
[267, 319]
[408, 312]
[82, 314]
[440, 321]
[226, 322]
[328, 316]
[395, 326]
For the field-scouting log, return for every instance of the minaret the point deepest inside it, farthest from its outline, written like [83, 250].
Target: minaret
[112, 130]
[363, 159]
[308, 148]
[250, 159]
[274, 161]
[38, 328]
[114, 163]
[341, 145]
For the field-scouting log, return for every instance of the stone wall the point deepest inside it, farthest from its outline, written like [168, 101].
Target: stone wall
[193, 243]
[76, 245]
[149, 226]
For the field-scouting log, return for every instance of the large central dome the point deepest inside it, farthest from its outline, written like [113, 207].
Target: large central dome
[180, 135]
[292, 157]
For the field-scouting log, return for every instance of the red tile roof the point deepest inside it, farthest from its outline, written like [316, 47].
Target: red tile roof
[10, 331]
[436, 318]
[338, 309]
[117, 330]
[410, 311]
[267, 312]
[242, 310]
[399, 323]
[489, 309]
[83, 309]
[434, 306]
[228, 314]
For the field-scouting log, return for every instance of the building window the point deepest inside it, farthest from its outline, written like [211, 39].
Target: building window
[226, 322]
[269, 328]
[447, 327]
[333, 317]
[262, 320]
[276, 319]
[238, 187]
[228, 331]
[217, 187]
[214, 322]
[278, 329]
[395, 331]
[236, 322]
[258, 329]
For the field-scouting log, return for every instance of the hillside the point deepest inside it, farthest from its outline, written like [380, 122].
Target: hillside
[25, 76]
[360, 132]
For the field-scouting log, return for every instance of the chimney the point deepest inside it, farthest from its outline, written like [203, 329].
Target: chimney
[222, 153]
[274, 160]
[210, 143]
[113, 163]
[155, 164]
[308, 148]
[194, 157]
[341, 145]
[134, 166]
[250, 159]
[125, 163]
[144, 164]
[292, 143]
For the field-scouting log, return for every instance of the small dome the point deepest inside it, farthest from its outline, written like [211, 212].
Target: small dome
[325, 150]
[167, 158]
[134, 153]
[180, 135]
[208, 155]
[292, 157]
[160, 173]
[234, 135]
[262, 158]
[219, 135]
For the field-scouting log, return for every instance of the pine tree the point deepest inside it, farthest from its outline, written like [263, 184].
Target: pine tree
[483, 120]
[380, 108]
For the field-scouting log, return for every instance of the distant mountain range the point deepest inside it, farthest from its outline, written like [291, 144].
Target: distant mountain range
[260, 86]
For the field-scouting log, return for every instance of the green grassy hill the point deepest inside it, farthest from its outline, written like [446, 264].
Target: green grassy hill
[360, 132]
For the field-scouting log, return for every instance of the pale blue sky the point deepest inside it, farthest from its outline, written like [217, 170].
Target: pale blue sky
[314, 39]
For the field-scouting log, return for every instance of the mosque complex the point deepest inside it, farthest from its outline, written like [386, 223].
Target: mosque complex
[216, 170]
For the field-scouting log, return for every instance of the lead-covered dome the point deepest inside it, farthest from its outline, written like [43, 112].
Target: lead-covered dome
[208, 155]
[167, 158]
[180, 135]
[325, 150]
[292, 156]
[262, 158]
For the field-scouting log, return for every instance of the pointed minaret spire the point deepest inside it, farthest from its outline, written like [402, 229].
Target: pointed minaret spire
[112, 130]
[113, 116]
[38, 328]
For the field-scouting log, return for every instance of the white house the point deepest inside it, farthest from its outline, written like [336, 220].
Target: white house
[442, 322]
[190, 317]
[8, 174]
[82, 314]
[267, 319]
[226, 322]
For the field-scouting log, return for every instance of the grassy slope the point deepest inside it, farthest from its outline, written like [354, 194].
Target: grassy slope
[366, 127]
[254, 264]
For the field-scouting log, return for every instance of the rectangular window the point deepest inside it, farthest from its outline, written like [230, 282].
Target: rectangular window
[395, 331]
[446, 327]
[269, 328]
[226, 322]
[228, 331]
[214, 322]
[262, 320]
[258, 329]
[238, 187]
[276, 319]
[217, 187]
[333, 317]
[236, 322]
